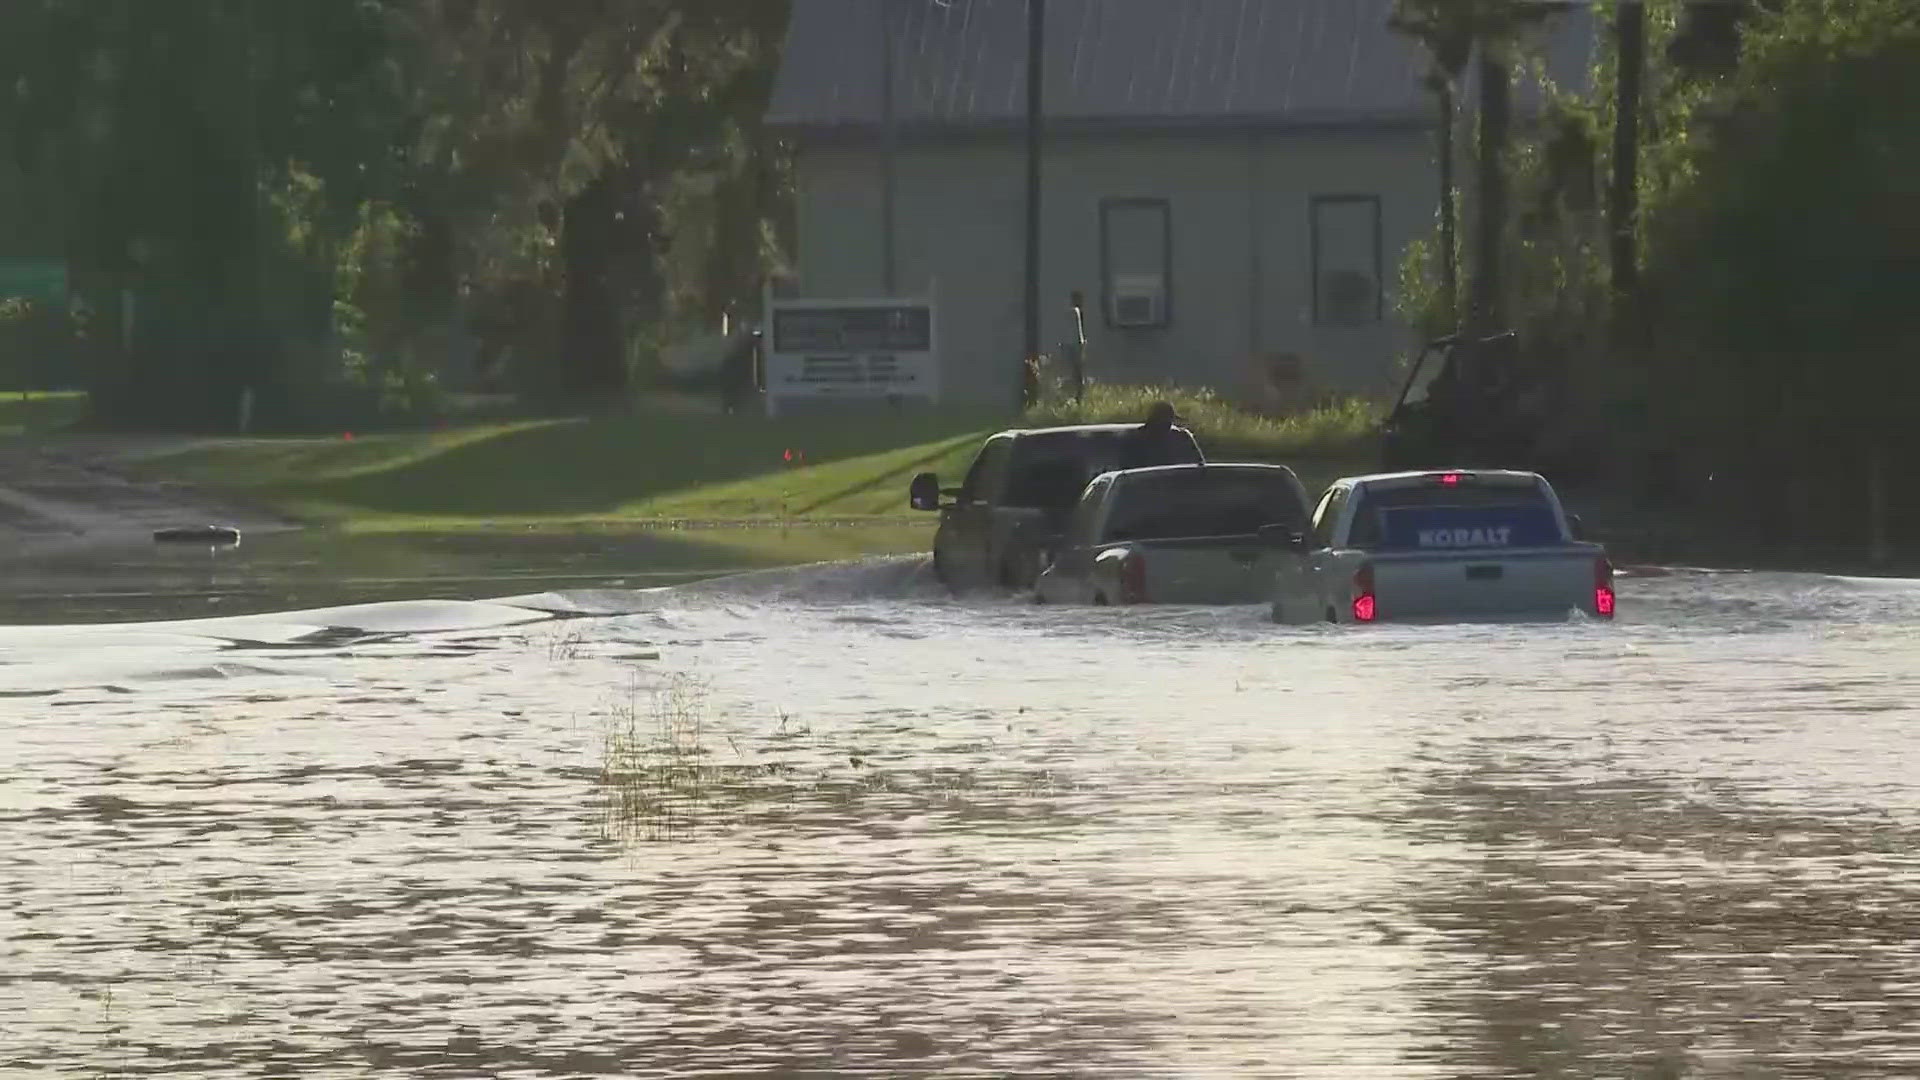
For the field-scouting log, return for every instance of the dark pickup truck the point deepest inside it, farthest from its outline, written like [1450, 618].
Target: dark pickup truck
[1014, 504]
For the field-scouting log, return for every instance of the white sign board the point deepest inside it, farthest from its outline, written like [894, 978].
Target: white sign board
[850, 349]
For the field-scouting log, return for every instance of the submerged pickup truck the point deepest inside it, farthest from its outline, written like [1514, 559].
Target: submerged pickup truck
[1179, 534]
[1019, 493]
[1442, 545]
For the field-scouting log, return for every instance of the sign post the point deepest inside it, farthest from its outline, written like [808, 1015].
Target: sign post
[850, 350]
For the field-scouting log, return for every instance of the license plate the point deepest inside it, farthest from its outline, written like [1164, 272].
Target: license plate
[1485, 573]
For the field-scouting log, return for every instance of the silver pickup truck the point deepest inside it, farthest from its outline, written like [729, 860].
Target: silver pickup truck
[1177, 534]
[1442, 545]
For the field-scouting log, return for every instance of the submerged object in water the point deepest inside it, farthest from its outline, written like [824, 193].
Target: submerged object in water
[198, 534]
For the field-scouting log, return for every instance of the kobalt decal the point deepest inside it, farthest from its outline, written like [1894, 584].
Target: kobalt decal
[1460, 538]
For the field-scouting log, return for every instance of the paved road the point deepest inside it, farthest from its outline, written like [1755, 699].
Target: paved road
[63, 493]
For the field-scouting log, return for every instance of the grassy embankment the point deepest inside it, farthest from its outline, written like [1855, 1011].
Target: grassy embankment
[720, 483]
[32, 411]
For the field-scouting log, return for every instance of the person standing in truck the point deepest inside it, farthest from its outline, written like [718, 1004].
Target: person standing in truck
[1155, 442]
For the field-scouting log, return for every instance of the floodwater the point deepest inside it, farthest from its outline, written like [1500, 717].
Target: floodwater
[822, 821]
[129, 578]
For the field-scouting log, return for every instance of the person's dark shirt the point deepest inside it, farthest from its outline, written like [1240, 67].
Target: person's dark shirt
[1149, 445]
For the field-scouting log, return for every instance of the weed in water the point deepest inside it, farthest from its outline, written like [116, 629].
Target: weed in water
[657, 779]
[567, 642]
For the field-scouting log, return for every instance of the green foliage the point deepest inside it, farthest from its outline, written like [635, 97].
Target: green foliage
[39, 346]
[1557, 244]
[1418, 299]
[405, 172]
[1340, 427]
[150, 134]
[1451, 28]
[607, 169]
[385, 352]
[1782, 258]
[1778, 228]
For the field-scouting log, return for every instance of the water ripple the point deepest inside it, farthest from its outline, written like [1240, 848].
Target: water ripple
[761, 829]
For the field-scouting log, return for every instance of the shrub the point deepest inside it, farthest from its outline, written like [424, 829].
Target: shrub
[1337, 428]
[37, 347]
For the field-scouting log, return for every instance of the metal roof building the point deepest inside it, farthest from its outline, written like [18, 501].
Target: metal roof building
[1232, 184]
[962, 64]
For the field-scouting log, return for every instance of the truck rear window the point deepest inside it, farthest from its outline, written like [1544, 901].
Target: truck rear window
[1050, 471]
[1197, 503]
[1463, 517]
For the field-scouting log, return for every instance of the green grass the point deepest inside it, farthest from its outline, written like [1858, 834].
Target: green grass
[647, 469]
[664, 467]
[31, 412]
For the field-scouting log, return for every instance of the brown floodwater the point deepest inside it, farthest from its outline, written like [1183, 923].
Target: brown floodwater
[824, 821]
[126, 579]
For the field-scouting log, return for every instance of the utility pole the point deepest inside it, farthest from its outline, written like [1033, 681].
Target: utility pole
[1442, 85]
[245, 367]
[889, 121]
[1630, 40]
[1486, 312]
[1036, 72]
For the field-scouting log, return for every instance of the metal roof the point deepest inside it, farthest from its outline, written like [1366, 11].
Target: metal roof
[961, 64]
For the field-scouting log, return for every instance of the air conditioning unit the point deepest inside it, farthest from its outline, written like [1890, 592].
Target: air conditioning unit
[1139, 300]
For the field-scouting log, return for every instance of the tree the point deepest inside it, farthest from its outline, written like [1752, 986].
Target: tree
[562, 128]
[1452, 31]
[351, 182]
[1707, 40]
[1782, 269]
[1448, 33]
[156, 128]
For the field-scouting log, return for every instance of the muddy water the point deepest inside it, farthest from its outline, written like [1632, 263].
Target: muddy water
[820, 821]
[127, 578]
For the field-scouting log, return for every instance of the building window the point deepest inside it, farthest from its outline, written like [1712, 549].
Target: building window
[1136, 263]
[1347, 261]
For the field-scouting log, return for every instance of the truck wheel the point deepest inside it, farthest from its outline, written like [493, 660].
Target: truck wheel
[1019, 570]
[1274, 613]
[940, 573]
[1332, 616]
[1099, 599]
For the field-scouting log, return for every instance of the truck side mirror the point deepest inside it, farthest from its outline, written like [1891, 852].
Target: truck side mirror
[924, 494]
[1283, 536]
[1576, 526]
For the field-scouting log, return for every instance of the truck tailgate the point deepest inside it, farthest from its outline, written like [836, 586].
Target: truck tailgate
[1208, 569]
[1544, 582]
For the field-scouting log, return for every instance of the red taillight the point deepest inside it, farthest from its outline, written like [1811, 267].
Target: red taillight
[1364, 605]
[1603, 588]
[1133, 578]
[1451, 479]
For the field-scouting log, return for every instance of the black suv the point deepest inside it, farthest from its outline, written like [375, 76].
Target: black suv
[1013, 504]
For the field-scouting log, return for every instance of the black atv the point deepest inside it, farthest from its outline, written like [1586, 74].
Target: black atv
[1471, 403]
